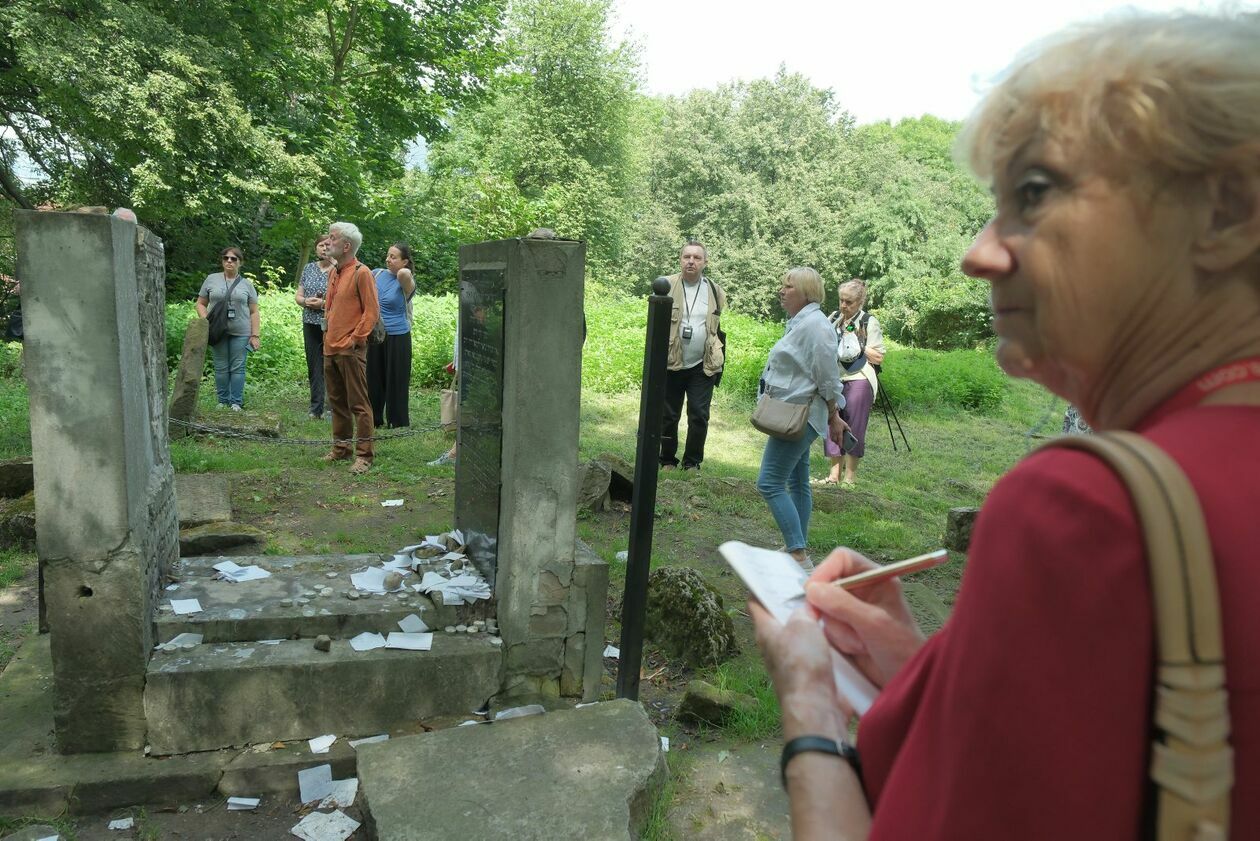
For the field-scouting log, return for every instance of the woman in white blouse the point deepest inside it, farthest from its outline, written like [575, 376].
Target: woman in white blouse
[801, 369]
[860, 353]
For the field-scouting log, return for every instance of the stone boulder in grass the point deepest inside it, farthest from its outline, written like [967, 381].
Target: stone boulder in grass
[686, 618]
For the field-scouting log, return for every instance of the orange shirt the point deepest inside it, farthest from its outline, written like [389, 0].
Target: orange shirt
[351, 308]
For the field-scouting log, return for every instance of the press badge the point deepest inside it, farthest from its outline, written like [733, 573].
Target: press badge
[685, 332]
[231, 312]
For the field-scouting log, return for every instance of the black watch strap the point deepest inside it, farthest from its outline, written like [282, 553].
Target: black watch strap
[818, 744]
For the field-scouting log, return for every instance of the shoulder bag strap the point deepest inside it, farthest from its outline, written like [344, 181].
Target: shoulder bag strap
[1191, 759]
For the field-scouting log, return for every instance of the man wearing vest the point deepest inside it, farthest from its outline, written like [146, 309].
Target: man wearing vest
[696, 356]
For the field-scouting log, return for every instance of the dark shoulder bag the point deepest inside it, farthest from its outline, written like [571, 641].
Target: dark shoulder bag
[721, 334]
[218, 315]
[378, 329]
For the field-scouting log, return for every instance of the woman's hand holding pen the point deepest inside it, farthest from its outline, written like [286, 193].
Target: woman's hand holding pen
[873, 625]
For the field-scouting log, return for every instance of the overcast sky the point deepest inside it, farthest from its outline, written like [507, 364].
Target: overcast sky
[884, 59]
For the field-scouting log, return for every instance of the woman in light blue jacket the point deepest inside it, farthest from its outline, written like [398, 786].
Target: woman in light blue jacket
[801, 369]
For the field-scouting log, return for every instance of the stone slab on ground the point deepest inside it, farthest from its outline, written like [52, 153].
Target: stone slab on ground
[584, 773]
[730, 791]
[253, 610]
[224, 538]
[36, 780]
[33, 832]
[17, 522]
[235, 694]
[17, 477]
[202, 498]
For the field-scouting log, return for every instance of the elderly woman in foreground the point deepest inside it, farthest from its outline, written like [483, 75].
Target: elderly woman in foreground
[801, 369]
[1125, 160]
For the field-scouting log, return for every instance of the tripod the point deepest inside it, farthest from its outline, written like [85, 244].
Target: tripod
[890, 416]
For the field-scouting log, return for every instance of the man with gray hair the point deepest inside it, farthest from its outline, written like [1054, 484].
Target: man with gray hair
[350, 312]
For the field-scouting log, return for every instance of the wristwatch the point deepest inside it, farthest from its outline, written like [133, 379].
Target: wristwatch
[818, 744]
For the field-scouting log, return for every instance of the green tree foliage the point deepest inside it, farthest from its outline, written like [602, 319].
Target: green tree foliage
[551, 146]
[231, 120]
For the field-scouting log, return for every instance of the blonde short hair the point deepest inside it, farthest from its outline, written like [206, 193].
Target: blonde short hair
[1171, 94]
[808, 281]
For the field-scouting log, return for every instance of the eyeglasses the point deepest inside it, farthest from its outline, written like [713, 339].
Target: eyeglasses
[230, 259]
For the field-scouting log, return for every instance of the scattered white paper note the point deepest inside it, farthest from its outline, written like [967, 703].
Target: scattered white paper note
[470, 721]
[243, 804]
[519, 712]
[612, 651]
[228, 567]
[325, 826]
[778, 583]
[187, 638]
[459, 536]
[367, 740]
[232, 571]
[371, 579]
[314, 783]
[49, 838]
[410, 642]
[185, 606]
[367, 641]
[341, 794]
[453, 556]
[321, 744]
[413, 624]
[270, 642]
[122, 823]
[665, 743]
[391, 503]
[171, 587]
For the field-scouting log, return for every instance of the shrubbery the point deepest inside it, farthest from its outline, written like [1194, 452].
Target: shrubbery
[612, 358]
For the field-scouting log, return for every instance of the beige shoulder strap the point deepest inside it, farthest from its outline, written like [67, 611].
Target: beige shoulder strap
[1191, 760]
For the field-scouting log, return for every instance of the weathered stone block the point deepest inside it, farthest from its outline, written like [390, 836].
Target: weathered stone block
[17, 477]
[536, 656]
[292, 691]
[17, 522]
[593, 479]
[686, 618]
[571, 676]
[219, 538]
[551, 623]
[621, 477]
[958, 525]
[704, 703]
[202, 498]
[192, 364]
[602, 765]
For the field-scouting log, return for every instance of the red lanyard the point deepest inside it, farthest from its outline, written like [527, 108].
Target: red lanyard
[1193, 393]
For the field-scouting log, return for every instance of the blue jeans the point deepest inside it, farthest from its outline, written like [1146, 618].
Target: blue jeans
[784, 484]
[229, 369]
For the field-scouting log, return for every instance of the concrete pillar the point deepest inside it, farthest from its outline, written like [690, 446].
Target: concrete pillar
[93, 302]
[521, 332]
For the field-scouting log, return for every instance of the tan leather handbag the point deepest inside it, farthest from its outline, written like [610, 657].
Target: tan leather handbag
[1192, 764]
[780, 419]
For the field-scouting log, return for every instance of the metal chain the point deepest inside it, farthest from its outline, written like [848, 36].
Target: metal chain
[225, 432]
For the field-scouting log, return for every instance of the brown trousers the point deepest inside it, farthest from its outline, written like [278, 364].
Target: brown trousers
[345, 380]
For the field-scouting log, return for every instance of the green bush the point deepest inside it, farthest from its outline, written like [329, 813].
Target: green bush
[957, 379]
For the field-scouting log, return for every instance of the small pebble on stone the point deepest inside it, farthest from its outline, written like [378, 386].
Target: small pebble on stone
[308, 612]
[450, 629]
[286, 602]
[479, 623]
[461, 629]
[323, 642]
[352, 595]
[309, 594]
[304, 600]
[330, 575]
[188, 646]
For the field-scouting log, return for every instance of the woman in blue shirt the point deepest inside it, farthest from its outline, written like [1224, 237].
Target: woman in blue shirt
[389, 363]
[801, 369]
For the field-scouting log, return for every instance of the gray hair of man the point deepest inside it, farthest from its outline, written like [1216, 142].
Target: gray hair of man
[350, 233]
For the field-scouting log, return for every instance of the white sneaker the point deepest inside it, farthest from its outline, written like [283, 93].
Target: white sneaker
[236, 407]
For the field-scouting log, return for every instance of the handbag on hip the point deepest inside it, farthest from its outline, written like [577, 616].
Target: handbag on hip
[780, 419]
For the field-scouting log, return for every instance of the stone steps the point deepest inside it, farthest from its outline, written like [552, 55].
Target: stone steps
[256, 610]
[237, 693]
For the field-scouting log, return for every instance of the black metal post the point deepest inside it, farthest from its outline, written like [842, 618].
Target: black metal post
[643, 501]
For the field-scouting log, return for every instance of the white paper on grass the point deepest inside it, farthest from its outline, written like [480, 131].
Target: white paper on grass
[325, 826]
[367, 740]
[410, 642]
[171, 587]
[612, 651]
[122, 823]
[367, 641]
[321, 744]
[243, 804]
[314, 783]
[391, 503]
[185, 606]
[412, 624]
[341, 794]
[665, 743]
[778, 583]
[49, 838]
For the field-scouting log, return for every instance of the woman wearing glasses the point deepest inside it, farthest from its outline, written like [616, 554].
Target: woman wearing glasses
[234, 291]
